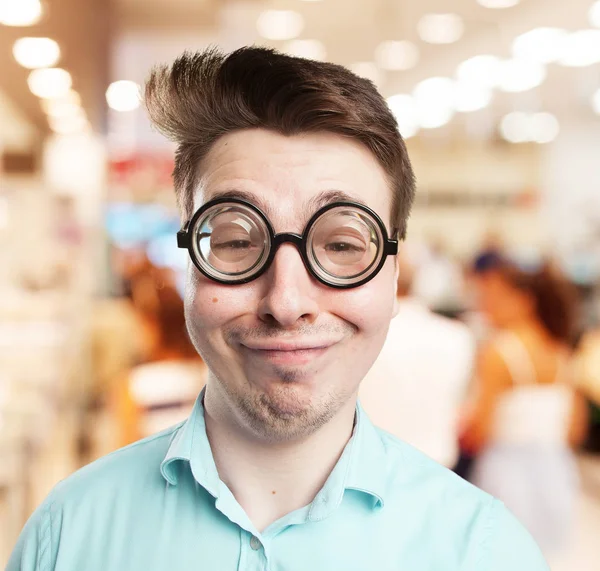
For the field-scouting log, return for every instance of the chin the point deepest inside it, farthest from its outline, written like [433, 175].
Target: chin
[286, 396]
[287, 411]
[286, 405]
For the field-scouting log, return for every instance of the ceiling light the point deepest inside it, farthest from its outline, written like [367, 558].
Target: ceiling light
[518, 75]
[435, 100]
[542, 45]
[68, 125]
[471, 97]
[580, 49]
[596, 102]
[514, 127]
[440, 28]
[20, 12]
[308, 49]
[368, 70]
[280, 24]
[123, 95]
[435, 90]
[34, 53]
[396, 55]
[594, 14]
[49, 82]
[498, 4]
[536, 128]
[481, 70]
[435, 118]
[71, 97]
[58, 108]
[405, 112]
[543, 128]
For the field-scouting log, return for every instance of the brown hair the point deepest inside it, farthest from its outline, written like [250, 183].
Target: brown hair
[555, 298]
[205, 95]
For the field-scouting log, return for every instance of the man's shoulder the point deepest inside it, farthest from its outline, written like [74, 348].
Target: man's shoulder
[411, 472]
[429, 500]
[93, 508]
[454, 515]
[122, 469]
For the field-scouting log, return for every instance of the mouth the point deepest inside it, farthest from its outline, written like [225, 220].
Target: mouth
[287, 353]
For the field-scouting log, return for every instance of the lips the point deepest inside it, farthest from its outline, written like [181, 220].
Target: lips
[288, 346]
[288, 352]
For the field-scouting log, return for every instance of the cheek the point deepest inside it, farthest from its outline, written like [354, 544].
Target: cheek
[209, 304]
[370, 307]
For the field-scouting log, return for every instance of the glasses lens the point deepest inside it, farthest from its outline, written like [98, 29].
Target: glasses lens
[345, 243]
[232, 241]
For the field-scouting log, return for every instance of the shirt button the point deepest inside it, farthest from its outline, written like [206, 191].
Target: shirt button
[255, 543]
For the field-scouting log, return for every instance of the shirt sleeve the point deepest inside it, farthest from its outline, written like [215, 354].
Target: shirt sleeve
[509, 545]
[34, 549]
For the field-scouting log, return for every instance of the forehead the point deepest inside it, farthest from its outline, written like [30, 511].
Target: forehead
[290, 177]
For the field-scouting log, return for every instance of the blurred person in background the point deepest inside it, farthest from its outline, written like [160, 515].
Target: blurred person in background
[295, 188]
[527, 415]
[490, 251]
[161, 392]
[417, 384]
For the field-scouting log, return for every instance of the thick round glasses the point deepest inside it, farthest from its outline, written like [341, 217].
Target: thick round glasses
[231, 241]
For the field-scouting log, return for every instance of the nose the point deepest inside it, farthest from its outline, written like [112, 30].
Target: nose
[289, 294]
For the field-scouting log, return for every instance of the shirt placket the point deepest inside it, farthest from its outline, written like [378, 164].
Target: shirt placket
[253, 552]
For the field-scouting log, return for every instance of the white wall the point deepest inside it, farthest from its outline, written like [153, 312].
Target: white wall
[486, 173]
[570, 177]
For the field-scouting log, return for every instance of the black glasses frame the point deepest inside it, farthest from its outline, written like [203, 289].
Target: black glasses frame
[185, 237]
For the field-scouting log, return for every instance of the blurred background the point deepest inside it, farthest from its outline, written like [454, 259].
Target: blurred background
[498, 100]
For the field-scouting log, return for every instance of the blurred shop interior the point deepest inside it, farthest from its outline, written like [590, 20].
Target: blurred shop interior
[499, 103]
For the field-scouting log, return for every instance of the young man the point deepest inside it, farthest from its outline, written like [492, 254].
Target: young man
[294, 185]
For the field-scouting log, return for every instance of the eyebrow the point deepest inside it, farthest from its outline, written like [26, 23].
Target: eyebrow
[243, 195]
[309, 208]
[329, 197]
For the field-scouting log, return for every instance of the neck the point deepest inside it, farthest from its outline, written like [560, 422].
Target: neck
[271, 479]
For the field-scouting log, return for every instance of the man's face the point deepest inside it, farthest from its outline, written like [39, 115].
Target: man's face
[285, 352]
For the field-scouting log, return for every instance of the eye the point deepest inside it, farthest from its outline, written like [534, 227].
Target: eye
[342, 247]
[230, 236]
[232, 245]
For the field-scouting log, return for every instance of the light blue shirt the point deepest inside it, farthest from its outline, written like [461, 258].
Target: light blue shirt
[159, 504]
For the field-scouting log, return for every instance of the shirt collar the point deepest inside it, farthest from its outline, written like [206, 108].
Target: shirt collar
[362, 466]
[190, 446]
[367, 471]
